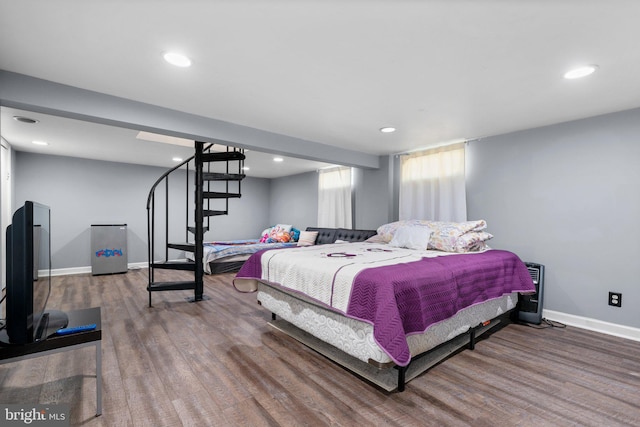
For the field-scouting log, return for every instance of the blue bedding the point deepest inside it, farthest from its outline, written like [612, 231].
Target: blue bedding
[218, 250]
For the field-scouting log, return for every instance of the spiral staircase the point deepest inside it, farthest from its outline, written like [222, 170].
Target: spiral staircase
[215, 177]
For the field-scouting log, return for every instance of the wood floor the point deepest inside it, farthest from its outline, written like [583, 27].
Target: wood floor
[217, 362]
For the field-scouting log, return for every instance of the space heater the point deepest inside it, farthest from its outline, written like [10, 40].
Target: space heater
[530, 310]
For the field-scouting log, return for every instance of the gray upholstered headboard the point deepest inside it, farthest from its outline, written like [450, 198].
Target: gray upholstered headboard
[330, 235]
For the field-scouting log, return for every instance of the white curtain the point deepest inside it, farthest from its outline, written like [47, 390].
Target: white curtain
[432, 185]
[334, 198]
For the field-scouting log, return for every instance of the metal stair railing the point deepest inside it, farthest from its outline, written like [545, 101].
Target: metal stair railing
[202, 155]
[151, 218]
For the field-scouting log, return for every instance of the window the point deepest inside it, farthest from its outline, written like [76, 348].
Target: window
[432, 185]
[334, 198]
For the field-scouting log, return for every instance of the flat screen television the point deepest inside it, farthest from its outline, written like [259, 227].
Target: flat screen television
[28, 258]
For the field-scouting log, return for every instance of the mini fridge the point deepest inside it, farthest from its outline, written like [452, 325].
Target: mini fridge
[109, 249]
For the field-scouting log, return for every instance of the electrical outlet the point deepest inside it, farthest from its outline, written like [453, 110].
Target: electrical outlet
[615, 299]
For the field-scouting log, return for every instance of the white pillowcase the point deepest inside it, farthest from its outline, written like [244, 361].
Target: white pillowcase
[284, 227]
[411, 237]
[307, 238]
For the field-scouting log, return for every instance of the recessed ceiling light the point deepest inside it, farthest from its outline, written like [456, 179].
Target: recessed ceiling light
[177, 159]
[40, 142]
[24, 119]
[278, 159]
[584, 71]
[177, 59]
[387, 130]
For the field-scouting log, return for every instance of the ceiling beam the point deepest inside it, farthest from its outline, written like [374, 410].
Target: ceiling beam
[47, 97]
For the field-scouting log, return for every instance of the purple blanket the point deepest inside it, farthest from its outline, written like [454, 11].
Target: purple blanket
[404, 299]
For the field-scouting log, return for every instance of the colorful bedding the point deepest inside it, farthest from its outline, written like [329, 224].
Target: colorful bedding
[399, 291]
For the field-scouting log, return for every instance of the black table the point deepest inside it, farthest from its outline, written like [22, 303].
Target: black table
[60, 343]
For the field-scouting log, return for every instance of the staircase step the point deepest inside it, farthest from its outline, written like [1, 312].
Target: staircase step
[193, 229]
[185, 246]
[220, 195]
[175, 265]
[214, 213]
[223, 156]
[171, 286]
[215, 176]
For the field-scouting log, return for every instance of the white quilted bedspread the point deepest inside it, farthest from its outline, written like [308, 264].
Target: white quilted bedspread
[329, 270]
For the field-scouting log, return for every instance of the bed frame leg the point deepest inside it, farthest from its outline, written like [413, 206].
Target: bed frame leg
[273, 316]
[402, 370]
[472, 339]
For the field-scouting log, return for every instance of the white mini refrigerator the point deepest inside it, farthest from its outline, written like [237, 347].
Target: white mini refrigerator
[109, 249]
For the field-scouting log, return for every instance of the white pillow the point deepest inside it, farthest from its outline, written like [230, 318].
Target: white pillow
[411, 237]
[284, 227]
[307, 238]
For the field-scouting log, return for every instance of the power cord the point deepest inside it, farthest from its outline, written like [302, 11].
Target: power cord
[545, 324]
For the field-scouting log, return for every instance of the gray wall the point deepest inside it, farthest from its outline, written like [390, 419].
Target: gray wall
[566, 196]
[374, 196]
[294, 199]
[82, 192]
[248, 215]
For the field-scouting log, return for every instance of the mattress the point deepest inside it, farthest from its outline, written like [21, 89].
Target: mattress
[356, 338]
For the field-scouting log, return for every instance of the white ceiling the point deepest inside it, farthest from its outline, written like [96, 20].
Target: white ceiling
[335, 71]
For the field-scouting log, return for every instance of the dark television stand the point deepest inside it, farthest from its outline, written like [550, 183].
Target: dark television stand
[60, 343]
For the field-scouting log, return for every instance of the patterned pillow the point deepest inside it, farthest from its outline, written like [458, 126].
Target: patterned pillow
[446, 234]
[473, 241]
[278, 235]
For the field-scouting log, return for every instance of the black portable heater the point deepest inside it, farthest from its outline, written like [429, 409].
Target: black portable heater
[530, 310]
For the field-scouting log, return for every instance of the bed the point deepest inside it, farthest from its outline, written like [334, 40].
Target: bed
[386, 311]
[229, 255]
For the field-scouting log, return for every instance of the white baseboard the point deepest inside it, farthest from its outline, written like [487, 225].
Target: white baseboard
[138, 265]
[593, 324]
[83, 270]
[68, 271]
